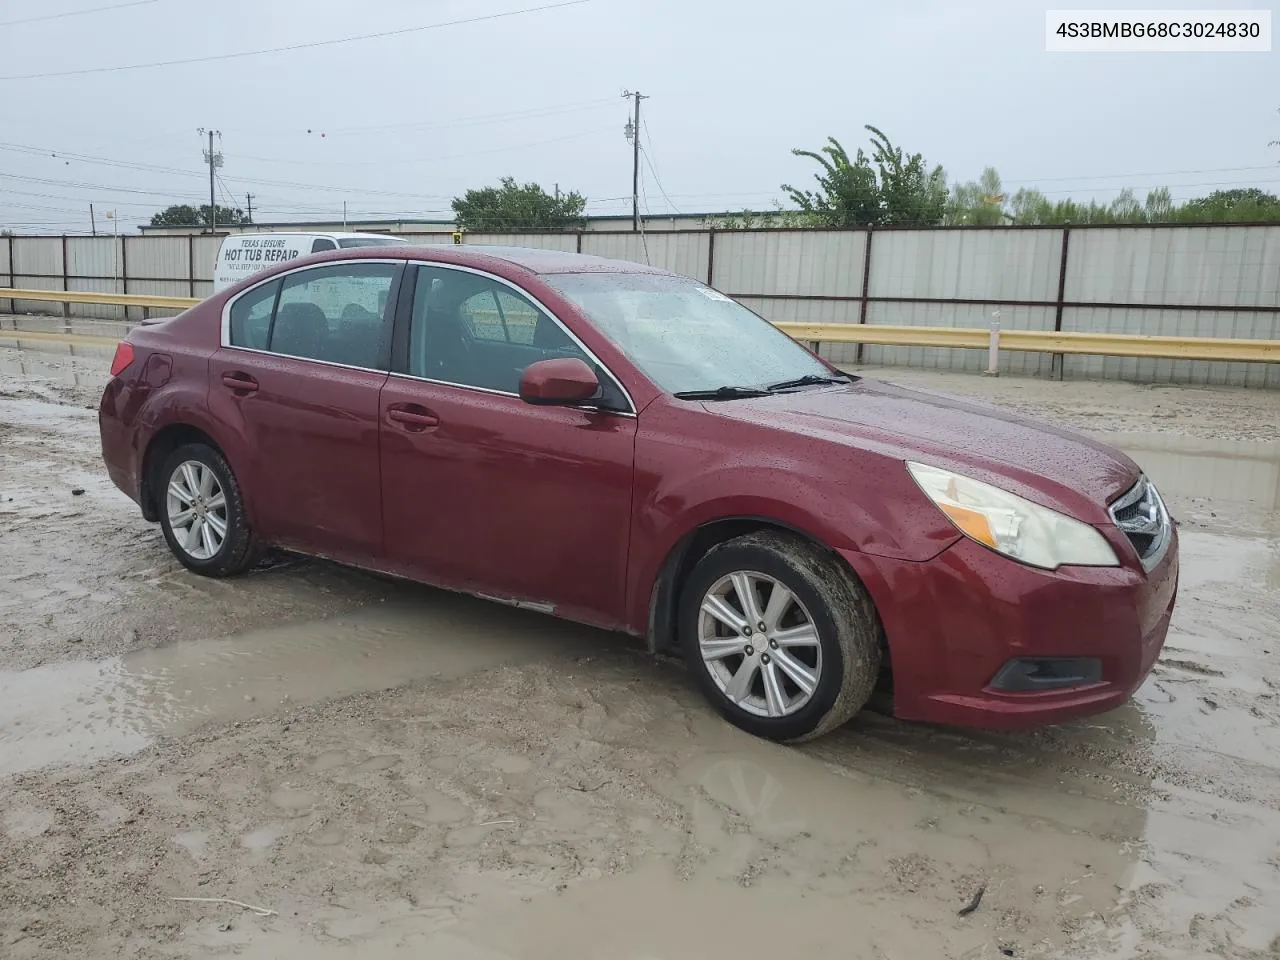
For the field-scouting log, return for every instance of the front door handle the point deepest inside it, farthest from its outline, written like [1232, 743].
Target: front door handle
[240, 382]
[412, 417]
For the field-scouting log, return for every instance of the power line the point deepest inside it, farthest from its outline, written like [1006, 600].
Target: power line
[649, 162]
[532, 113]
[77, 13]
[298, 46]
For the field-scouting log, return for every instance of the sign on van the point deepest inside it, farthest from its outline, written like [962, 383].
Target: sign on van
[243, 256]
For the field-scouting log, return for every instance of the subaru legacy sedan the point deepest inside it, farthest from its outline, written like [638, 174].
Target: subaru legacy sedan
[627, 448]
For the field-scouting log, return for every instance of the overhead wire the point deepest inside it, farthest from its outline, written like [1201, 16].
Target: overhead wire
[645, 151]
[76, 13]
[311, 45]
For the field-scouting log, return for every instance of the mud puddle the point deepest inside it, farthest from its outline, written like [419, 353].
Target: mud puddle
[1201, 468]
[82, 711]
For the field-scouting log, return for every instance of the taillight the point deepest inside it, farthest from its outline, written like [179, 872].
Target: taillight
[122, 359]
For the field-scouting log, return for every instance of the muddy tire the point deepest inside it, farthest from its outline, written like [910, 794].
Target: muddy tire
[202, 512]
[782, 639]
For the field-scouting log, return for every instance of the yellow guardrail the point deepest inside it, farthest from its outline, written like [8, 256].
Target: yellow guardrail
[114, 299]
[975, 338]
[1043, 341]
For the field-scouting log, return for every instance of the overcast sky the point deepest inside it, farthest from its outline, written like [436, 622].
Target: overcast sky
[399, 125]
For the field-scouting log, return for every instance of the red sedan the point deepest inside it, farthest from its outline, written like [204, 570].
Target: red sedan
[631, 449]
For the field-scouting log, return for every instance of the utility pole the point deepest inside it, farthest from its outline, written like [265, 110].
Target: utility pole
[249, 200]
[214, 160]
[632, 131]
[93, 223]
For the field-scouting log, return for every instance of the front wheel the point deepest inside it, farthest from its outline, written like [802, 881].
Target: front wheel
[782, 639]
[202, 512]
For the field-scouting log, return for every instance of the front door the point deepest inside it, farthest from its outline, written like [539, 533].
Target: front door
[298, 380]
[484, 492]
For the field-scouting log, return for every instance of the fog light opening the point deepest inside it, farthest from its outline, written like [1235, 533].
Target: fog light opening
[1047, 673]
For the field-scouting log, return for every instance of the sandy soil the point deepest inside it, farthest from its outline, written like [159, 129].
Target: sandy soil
[387, 770]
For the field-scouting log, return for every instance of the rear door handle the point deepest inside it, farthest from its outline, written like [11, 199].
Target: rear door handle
[240, 382]
[413, 419]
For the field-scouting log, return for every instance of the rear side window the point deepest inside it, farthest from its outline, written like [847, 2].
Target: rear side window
[251, 317]
[322, 244]
[336, 313]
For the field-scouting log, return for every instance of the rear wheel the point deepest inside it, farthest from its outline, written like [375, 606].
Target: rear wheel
[781, 638]
[202, 512]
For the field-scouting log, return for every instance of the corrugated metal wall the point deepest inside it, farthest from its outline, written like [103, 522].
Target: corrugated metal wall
[1149, 280]
[540, 241]
[682, 253]
[792, 263]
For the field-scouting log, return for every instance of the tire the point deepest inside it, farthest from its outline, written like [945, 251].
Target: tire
[221, 504]
[843, 661]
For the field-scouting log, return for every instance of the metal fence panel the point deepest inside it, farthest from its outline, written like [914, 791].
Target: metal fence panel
[957, 315]
[4, 261]
[427, 239]
[810, 311]
[97, 311]
[1173, 323]
[204, 252]
[537, 241]
[37, 256]
[966, 264]
[159, 288]
[790, 263]
[93, 257]
[156, 258]
[1205, 266]
[682, 253]
[43, 307]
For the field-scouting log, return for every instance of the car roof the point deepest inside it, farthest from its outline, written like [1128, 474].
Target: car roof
[532, 259]
[339, 235]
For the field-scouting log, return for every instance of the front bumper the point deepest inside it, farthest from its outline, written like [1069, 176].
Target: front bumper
[954, 622]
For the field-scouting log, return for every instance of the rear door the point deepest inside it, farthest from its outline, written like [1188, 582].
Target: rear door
[487, 493]
[297, 379]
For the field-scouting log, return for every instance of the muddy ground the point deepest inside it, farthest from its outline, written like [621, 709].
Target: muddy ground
[385, 770]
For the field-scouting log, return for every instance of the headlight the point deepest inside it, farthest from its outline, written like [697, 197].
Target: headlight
[1013, 526]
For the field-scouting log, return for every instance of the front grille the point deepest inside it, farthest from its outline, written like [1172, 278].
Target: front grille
[1141, 516]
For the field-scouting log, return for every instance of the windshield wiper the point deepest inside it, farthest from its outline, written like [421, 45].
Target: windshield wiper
[809, 379]
[722, 393]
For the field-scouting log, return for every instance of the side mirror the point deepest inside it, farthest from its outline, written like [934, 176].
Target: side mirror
[564, 381]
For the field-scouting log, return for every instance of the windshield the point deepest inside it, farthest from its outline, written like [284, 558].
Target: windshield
[368, 241]
[685, 336]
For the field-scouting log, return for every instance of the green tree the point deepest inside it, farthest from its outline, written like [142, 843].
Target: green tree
[886, 187]
[511, 207]
[979, 202]
[1242, 205]
[185, 215]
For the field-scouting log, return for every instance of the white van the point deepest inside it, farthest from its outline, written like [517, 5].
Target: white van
[244, 254]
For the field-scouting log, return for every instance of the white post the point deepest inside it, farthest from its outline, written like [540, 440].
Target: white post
[993, 347]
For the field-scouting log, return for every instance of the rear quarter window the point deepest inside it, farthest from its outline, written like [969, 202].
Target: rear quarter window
[251, 317]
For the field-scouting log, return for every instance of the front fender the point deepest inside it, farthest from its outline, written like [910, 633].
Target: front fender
[784, 495]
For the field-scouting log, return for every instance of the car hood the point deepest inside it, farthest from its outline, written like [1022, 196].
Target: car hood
[1057, 468]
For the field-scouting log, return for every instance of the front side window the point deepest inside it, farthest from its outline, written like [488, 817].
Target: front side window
[335, 313]
[684, 335]
[475, 331]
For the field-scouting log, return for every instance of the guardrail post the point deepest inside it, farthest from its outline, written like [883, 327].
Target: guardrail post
[993, 347]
